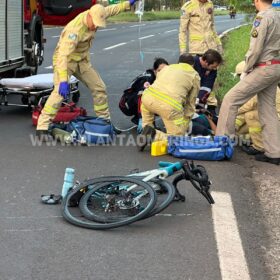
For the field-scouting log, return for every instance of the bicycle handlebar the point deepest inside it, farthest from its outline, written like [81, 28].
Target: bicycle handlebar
[171, 167]
[198, 174]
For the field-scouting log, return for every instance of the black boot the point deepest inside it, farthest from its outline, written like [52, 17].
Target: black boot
[146, 137]
[264, 158]
[250, 150]
[44, 135]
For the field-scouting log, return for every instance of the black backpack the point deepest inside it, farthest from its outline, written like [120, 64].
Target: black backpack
[131, 99]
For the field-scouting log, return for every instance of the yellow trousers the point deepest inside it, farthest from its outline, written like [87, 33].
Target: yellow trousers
[248, 123]
[90, 77]
[174, 121]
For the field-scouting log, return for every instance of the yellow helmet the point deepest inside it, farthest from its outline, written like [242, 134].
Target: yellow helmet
[240, 67]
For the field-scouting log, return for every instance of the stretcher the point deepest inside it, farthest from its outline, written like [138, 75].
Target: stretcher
[32, 89]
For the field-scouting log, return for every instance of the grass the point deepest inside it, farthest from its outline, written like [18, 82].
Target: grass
[148, 16]
[235, 45]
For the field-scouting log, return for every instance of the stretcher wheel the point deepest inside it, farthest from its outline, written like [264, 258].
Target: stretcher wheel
[24, 100]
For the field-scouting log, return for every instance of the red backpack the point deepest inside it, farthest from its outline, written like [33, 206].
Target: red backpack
[65, 114]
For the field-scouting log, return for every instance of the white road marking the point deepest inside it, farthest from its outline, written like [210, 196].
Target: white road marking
[218, 21]
[232, 259]
[173, 215]
[56, 36]
[109, 29]
[30, 217]
[146, 37]
[173, 30]
[137, 25]
[49, 67]
[25, 230]
[115, 46]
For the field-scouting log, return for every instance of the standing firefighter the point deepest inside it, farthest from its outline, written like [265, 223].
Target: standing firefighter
[197, 20]
[72, 57]
[260, 76]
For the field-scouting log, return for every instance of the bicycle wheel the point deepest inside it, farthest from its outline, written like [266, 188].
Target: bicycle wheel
[113, 202]
[165, 194]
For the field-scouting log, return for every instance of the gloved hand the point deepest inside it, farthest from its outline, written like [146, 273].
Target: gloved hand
[132, 2]
[139, 127]
[64, 89]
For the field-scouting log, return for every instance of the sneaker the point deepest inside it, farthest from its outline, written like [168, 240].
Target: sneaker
[43, 135]
[250, 150]
[264, 158]
[146, 137]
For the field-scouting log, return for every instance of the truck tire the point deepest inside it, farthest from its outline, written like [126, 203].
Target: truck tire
[34, 42]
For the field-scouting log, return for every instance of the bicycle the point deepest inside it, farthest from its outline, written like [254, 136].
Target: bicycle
[114, 201]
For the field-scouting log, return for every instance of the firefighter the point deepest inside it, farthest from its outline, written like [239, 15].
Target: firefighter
[72, 57]
[261, 76]
[172, 96]
[197, 20]
[247, 121]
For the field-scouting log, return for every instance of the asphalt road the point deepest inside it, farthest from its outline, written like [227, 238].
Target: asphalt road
[190, 240]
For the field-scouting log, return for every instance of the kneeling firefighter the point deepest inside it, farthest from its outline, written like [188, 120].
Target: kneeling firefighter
[172, 96]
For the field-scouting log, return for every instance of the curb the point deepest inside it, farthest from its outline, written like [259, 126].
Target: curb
[231, 29]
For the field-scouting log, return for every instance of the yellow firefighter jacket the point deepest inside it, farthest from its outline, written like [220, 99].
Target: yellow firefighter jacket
[176, 85]
[76, 39]
[198, 20]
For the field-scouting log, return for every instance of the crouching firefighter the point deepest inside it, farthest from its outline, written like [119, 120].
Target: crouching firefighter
[72, 57]
[172, 96]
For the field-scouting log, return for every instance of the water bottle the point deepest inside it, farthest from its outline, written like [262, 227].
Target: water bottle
[68, 181]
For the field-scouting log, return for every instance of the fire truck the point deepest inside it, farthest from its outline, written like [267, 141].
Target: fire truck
[22, 34]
